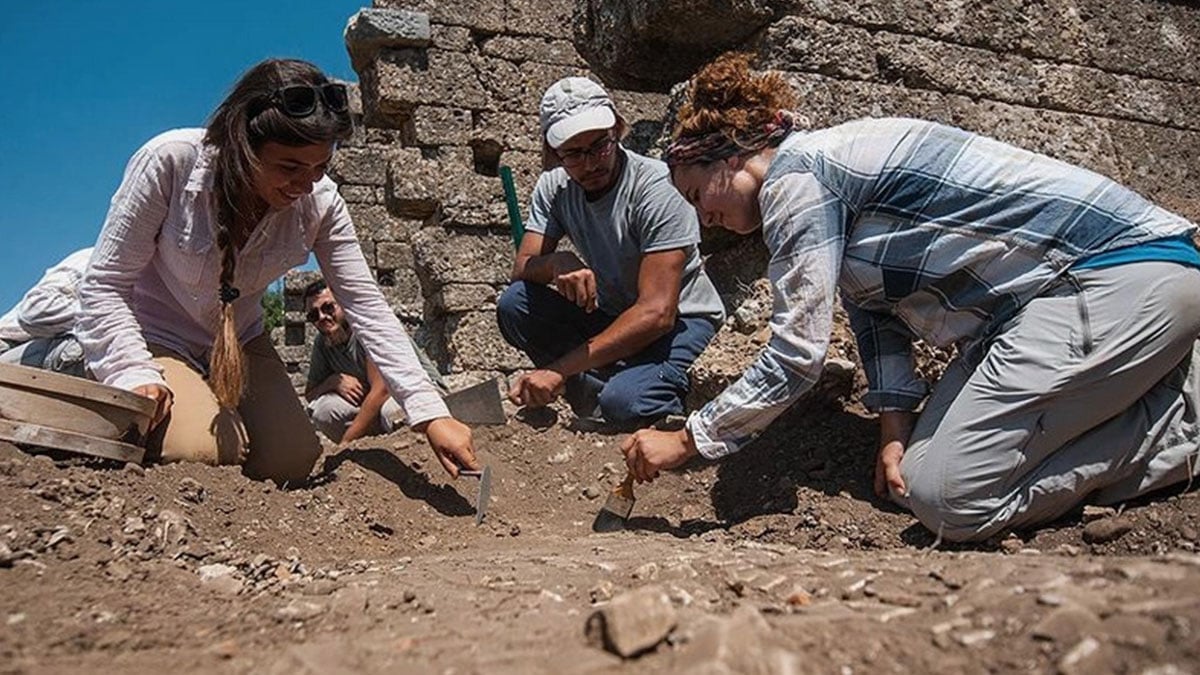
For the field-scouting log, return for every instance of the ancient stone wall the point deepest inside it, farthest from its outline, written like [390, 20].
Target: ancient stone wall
[450, 90]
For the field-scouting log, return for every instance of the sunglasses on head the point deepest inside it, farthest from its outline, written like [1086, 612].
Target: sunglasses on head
[315, 313]
[300, 100]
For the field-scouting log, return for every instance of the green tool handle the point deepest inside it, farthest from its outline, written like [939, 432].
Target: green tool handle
[514, 209]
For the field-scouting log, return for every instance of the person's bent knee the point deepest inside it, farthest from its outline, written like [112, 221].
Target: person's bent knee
[513, 303]
[622, 406]
[954, 519]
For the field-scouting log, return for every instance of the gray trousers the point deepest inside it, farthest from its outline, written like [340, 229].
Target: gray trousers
[1089, 393]
[61, 354]
[332, 415]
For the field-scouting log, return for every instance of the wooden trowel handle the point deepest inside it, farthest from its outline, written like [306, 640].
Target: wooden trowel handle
[625, 489]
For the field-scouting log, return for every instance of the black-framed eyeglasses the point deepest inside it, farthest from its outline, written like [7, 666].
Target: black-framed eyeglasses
[300, 100]
[327, 309]
[600, 149]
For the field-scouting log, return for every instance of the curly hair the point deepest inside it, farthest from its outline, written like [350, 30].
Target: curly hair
[727, 96]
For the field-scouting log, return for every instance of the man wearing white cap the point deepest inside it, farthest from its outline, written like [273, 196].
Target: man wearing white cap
[615, 327]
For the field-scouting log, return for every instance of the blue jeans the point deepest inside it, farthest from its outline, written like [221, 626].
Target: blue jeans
[643, 387]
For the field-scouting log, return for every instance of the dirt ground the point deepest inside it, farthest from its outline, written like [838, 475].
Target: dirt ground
[778, 560]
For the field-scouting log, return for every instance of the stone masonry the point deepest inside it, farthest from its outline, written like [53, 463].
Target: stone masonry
[449, 92]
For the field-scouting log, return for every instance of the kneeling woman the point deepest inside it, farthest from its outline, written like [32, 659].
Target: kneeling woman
[203, 222]
[1074, 302]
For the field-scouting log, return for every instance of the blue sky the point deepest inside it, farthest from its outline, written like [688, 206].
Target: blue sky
[85, 83]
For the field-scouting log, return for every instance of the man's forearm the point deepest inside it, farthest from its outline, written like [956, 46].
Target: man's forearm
[368, 415]
[632, 331]
[316, 391]
[541, 269]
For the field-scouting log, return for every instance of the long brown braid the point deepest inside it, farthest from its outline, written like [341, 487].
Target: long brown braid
[239, 127]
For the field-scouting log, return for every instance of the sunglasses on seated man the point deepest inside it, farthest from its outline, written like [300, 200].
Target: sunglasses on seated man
[599, 149]
[315, 313]
[300, 100]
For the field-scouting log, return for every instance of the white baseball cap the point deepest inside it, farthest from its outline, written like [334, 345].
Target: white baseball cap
[572, 106]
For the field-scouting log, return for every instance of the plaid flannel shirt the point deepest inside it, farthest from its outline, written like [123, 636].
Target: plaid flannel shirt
[927, 231]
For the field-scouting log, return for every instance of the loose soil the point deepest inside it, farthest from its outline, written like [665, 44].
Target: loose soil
[777, 560]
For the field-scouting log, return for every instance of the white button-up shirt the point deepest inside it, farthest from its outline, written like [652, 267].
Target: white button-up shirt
[49, 308]
[154, 276]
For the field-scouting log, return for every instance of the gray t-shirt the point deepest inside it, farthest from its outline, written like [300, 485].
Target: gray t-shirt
[349, 358]
[643, 213]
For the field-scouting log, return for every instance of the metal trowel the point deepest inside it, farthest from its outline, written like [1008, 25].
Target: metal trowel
[485, 491]
[477, 404]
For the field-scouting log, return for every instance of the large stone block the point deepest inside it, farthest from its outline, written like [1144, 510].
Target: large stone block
[362, 194]
[435, 125]
[546, 50]
[1141, 37]
[473, 342]
[443, 257]
[359, 166]
[648, 46]
[402, 289]
[464, 298]
[445, 182]
[372, 29]
[373, 223]
[483, 15]
[406, 78]
[393, 255]
[509, 131]
[452, 38]
[545, 18]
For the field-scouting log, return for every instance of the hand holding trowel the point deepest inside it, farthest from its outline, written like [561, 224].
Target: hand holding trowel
[647, 452]
[616, 509]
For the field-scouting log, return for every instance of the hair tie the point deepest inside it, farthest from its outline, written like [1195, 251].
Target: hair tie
[228, 293]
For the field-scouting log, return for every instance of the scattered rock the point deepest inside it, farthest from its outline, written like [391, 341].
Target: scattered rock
[300, 610]
[975, 638]
[601, 592]
[1091, 512]
[1078, 659]
[190, 490]
[740, 643]
[1066, 625]
[633, 622]
[647, 572]
[220, 577]
[591, 492]
[1106, 529]
[6, 555]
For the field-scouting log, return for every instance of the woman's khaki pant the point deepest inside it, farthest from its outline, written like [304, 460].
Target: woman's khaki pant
[269, 433]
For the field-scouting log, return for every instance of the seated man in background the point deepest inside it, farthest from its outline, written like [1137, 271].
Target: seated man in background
[615, 328]
[37, 331]
[346, 394]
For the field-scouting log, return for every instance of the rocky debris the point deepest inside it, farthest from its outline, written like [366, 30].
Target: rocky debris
[1066, 625]
[1106, 530]
[632, 622]
[300, 610]
[740, 643]
[6, 555]
[220, 577]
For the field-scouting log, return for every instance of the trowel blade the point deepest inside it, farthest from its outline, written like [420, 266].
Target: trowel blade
[477, 404]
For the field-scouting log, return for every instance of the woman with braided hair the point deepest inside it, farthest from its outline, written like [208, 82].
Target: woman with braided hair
[203, 222]
[1074, 303]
